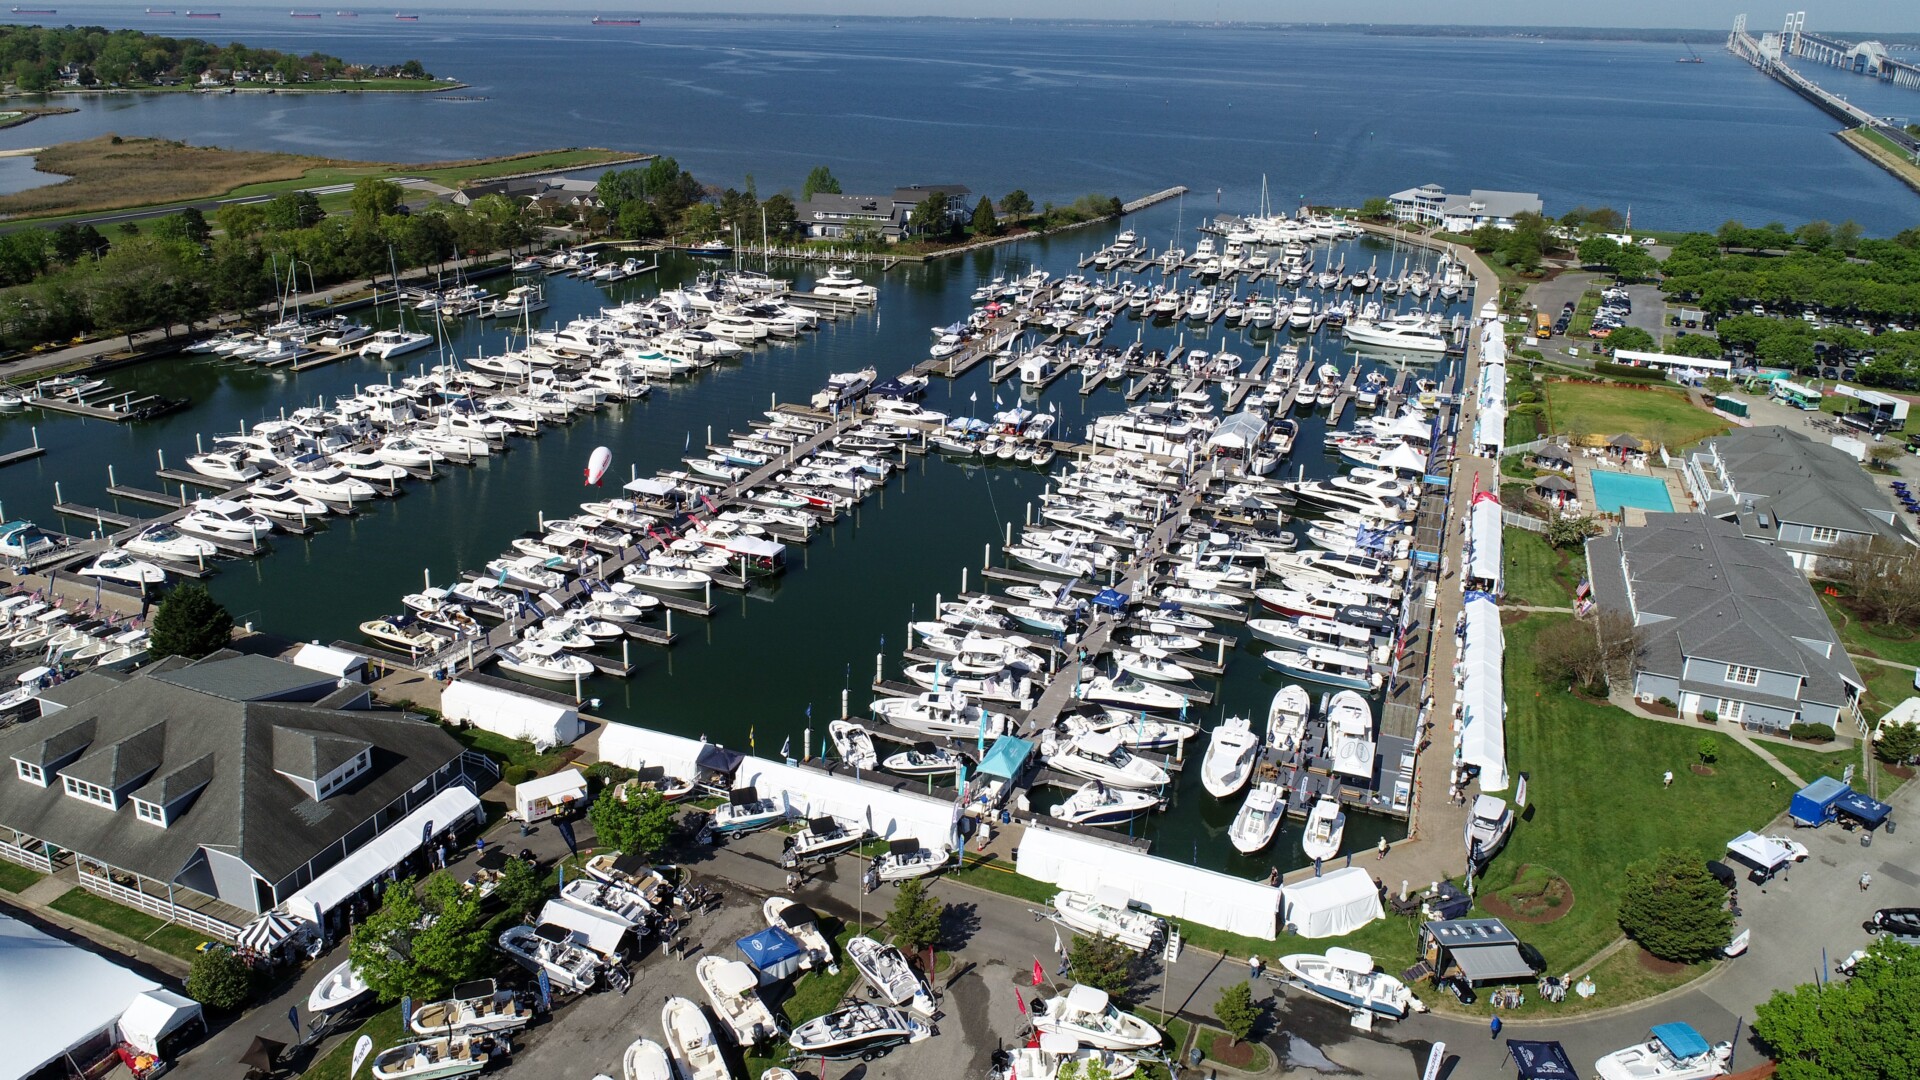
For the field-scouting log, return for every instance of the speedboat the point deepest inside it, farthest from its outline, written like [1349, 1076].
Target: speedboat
[1347, 977]
[1350, 735]
[1672, 1052]
[540, 658]
[122, 566]
[1099, 756]
[1059, 1055]
[854, 744]
[888, 972]
[226, 519]
[1326, 823]
[1323, 664]
[1231, 752]
[941, 713]
[1131, 693]
[613, 899]
[799, 920]
[733, 990]
[646, 1060]
[819, 842]
[163, 541]
[1138, 731]
[1258, 818]
[654, 575]
[691, 1043]
[230, 465]
[569, 967]
[1108, 911]
[1287, 718]
[431, 1059]
[925, 759]
[909, 858]
[337, 989]
[1150, 662]
[330, 484]
[1487, 829]
[745, 811]
[1097, 804]
[24, 540]
[861, 1031]
[281, 500]
[1085, 1013]
[401, 630]
[474, 1008]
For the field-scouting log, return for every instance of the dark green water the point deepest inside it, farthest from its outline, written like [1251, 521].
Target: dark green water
[754, 669]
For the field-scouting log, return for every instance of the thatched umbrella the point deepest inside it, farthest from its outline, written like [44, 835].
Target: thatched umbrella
[1624, 442]
[1553, 483]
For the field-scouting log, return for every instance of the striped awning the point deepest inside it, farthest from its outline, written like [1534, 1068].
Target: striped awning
[265, 933]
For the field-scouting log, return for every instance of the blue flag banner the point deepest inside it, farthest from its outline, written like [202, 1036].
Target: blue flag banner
[293, 1017]
[546, 990]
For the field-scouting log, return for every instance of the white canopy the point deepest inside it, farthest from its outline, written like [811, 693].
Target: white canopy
[647, 485]
[1768, 855]
[1483, 731]
[381, 854]
[594, 930]
[59, 996]
[516, 716]
[1335, 903]
[1668, 360]
[1404, 458]
[1172, 889]
[1483, 530]
[338, 663]
[1412, 425]
[1490, 428]
[564, 786]
[1087, 999]
[154, 1015]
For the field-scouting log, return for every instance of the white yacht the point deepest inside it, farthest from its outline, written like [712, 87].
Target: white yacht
[330, 484]
[1258, 818]
[1673, 1051]
[1085, 1013]
[227, 519]
[1348, 977]
[839, 284]
[231, 465]
[1326, 823]
[1231, 752]
[163, 541]
[1099, 756]
[1350, 734]
[1406, 333]
[387, 344]
[1108, 911]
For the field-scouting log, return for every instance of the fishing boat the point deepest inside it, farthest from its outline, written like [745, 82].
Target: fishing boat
[1487, 829]
[1151, 662]
[861, 1031]
[925, 759]
[733, 990]
[1059, 1054]
[822, 840]
[907, 857]
[337, 989]
[745, 811]
[608, 898]
[1097, 755]
[1673, 1051]
[1322, 664]
[1258, 818]
[799, 920]
[1137, 730]
[1231, 753]
[1108, 911]
[1287, 718]
[1326, 823]
[635, 874]
[1350, 734]
[853, 743]
[474, 1008]
[1347, 977]
[569, 968]
[887, 971]
[431, 1059]
[1095, 803]
[646, 1060]
[1085, 1013]
[691, 1043]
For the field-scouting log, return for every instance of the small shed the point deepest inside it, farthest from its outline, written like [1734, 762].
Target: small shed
[1476, 950]
[1813, 805]
[544, 796]
[773, 953]
[327, 660]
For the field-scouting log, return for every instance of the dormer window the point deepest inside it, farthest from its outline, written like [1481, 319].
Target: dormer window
[150, 812]
[93, 793]
[31, 773]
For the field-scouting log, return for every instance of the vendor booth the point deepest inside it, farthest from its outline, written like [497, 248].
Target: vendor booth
[1541, 1060]
[1762, 857]
[544, 796]
[157, 1026]
[1813, 805]
[773, 953]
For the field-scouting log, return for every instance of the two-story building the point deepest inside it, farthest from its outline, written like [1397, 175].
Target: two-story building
[1430, 204]
[1782, 488]
[1727, 625]
[832, 216]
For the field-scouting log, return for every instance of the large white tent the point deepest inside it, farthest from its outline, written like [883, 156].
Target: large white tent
[155, 1015]
[1172, 889]
[1482, 732]
[61, 999]
[516, 716]
[385, 851]
[645, 749]
[1335, 903]
[1484, 539]
[811, 793]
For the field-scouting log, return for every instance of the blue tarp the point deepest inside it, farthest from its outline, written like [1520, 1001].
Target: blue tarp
[1864, 809]
[1680, 1039]
[1006, 758]
[771, 949]
[1813, 804]
[1540, 1060]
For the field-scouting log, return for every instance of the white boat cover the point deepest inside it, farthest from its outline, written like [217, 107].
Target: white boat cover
[1335, 903]
[594, 930]
[154, 1015]
[1484, 540]
[381, 854]
[1767, 855]
[565, 786]
[74, 995]
[1171, 889]
[516, 716]
[1482, 736]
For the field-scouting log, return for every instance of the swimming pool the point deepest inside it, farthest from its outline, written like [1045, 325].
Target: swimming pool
[1613, 490]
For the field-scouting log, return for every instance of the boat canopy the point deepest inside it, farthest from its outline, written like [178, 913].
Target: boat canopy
[440, 814]
[647, 485]
[1680, 1039]
[1006, 758]
[1099, 744]
[755, 547]
[1241, 431]
[1541, 1060]
[1087, 999]
[1350, 960]
[1058, 1043]
[908, 846]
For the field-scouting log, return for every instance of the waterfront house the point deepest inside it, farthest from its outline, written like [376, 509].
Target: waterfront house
[959, 211]
[1727, 625]
[1430, 204]
[208, 792]
[830, 216]
[1782, 488]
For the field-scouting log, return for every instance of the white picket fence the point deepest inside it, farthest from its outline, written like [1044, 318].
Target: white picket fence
[1522, 521]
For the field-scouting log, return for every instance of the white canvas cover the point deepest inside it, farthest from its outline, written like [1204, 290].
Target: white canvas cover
[516, 716]
[1484, 528]
[58, 996]
[591, 929]
[154, 1015]
[380, 854]
[1335, 903]
[858, 803]
[540, 796]
[338, 663]
[1483, 733]
[1175, 890]
[641, 748]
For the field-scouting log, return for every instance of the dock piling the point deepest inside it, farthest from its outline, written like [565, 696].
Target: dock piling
[163, 459]
[36, 438]
[110, 480]
[843, 701]
[879, 665]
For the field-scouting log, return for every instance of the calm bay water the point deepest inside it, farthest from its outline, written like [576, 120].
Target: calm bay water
[1056, 110]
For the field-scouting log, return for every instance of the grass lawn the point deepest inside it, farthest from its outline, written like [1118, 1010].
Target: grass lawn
[1536, 574]
[385, 1029]
[1522, 427]
[1809, 762]
[1621, 978]
[996, 876]
[1886, 687]
[505, 751]
[168, 937]
[1888, 642]
[1176, 1028]
[1664, 416]
[1583, 313]
[1208, 1036]
[16, 878]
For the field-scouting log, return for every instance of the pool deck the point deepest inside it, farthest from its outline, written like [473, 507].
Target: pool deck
[1631, 515]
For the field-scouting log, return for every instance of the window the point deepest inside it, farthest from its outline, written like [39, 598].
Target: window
[1730, 709]
[92, 793]
[150, 812]
[1822, 534]
[32, 773]
[1745, 676]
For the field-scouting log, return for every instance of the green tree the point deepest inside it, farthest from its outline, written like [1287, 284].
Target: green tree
[1570, 530]
[1632, 339]
[398, 956]
[1236, 1011]
[914, 921]
[636, 220]
[412, 70]
[219, 979]
[780, 214]
[1378, 208]
[1016, 204]
[372, 199]
[1103, 962]
[983, 223]
[189, 622]
[1092, 1068]
[521, 888]
[820, 181]
[293, 210]
[1674, 908]
[1864, 1027]
[637, 825]
[1708, 749]
[1699, 346]
[929, 217]
[1598, 251]
[1897, 742]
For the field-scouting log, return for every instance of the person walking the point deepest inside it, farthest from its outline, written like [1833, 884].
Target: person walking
[1382, 849]
[1253, 969]
[1493, 1028]
[1865, 881]
[1666, 779]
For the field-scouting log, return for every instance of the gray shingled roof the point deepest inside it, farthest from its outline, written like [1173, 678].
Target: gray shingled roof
[182, 734]
[120, 762]
[1792, 478]
[1702, 590]
[246, 677]
[311, 755]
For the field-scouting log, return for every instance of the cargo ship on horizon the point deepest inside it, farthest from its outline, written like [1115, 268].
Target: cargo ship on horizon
[601, 21]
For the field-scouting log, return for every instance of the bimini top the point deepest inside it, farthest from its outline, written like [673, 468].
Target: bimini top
[1680, 1039]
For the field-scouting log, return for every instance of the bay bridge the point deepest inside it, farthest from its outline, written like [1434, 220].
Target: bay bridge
[1771, 52]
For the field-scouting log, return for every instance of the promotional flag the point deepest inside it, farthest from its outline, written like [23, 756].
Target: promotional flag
[786, 747]
[361, 1048]
[565, 829]
[1057, 947]
[1039, 976]
[293, 1017]
[1019, 1002]
[546, 990]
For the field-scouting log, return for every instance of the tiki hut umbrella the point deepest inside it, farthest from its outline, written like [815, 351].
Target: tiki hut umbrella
[1553, 453]
[262, 1053]
[1624, 442]
[1553, 483]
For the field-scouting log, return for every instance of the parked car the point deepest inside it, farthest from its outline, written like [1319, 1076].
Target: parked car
[1901, 922]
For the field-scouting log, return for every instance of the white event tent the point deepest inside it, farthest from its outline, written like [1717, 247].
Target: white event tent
[1482, 731]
